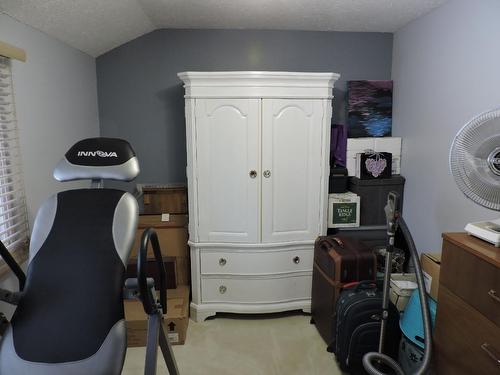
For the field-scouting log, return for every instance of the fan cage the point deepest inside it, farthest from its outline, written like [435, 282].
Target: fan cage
[480, 188]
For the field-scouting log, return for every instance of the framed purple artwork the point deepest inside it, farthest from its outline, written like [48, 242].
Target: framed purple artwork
[369, 108]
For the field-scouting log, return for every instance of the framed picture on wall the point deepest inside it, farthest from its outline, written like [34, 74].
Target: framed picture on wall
[369, 108]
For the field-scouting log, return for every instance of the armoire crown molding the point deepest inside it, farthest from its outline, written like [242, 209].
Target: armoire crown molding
[258, 84]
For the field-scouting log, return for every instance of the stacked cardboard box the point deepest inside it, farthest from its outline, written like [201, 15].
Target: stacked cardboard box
[431, 267]
[172, 236]
[167, 215]
[175, 322]
[170, 199]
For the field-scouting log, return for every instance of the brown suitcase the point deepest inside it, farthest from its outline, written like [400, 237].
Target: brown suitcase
[337, 261]
[345, 260]
[324, 295]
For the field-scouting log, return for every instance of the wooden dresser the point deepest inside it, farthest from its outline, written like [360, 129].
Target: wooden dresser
[467, 333]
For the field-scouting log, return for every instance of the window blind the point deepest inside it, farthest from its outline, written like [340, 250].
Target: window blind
[13, 213]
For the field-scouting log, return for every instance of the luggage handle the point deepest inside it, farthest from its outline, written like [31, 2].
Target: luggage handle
[338, 241]
[350, 285]
[328, 240]
[365, 284]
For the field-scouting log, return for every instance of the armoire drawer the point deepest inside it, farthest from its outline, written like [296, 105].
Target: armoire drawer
[255, 291]
[473, 279]
[466, 342]
[256, 262]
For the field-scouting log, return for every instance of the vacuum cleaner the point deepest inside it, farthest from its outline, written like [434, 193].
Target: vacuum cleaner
[372, 362]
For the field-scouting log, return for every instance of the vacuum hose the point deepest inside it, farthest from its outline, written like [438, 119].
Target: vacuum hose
[370, 358]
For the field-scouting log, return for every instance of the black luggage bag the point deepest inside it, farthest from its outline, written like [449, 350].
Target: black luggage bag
[359, 313]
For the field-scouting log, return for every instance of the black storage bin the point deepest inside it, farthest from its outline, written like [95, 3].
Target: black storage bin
[338, 180]
[372, 236]
[373, 197]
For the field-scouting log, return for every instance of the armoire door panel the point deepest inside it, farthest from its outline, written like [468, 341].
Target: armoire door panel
[227, 137]
[291, 153]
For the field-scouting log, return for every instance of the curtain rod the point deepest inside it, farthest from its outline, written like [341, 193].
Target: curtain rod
[12, 52]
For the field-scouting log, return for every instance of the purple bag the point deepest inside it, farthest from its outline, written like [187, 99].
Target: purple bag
[338, 145]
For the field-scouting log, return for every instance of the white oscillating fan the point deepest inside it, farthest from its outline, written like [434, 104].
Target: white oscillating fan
[475, 164]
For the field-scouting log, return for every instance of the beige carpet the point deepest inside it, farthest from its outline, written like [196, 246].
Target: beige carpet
[276, 344]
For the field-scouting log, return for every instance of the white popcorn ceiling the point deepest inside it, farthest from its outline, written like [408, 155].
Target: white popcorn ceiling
[97, 26]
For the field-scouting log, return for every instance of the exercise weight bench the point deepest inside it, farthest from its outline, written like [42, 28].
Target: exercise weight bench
[69, 318]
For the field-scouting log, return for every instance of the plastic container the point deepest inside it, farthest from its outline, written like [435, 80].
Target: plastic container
[373, 197]
[411, 322]
[402, 287]
[410, 356]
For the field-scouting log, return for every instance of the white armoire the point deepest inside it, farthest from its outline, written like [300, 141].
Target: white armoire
[257, 169]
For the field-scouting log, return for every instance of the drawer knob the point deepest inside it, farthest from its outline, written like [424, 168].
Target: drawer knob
[493, 294]
[296, 260]
[222, 289]
[488, 349]
[222, 262]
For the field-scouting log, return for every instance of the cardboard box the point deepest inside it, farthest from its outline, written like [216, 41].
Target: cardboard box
[431, 266]
[152, 270]
[183, 270]
[172, 234]
[173, 237]
[343, 210]
[170, 199]
[175, 322]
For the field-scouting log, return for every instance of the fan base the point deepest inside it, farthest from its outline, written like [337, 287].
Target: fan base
[486, 230]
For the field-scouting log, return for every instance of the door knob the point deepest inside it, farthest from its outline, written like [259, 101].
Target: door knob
[252, 174]
[267, 173]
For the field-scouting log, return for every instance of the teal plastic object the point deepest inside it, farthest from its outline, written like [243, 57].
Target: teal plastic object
[411, 322]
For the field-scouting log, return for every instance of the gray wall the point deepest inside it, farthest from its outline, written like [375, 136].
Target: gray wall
[56, 104]
[141, 98]
[445, 71]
